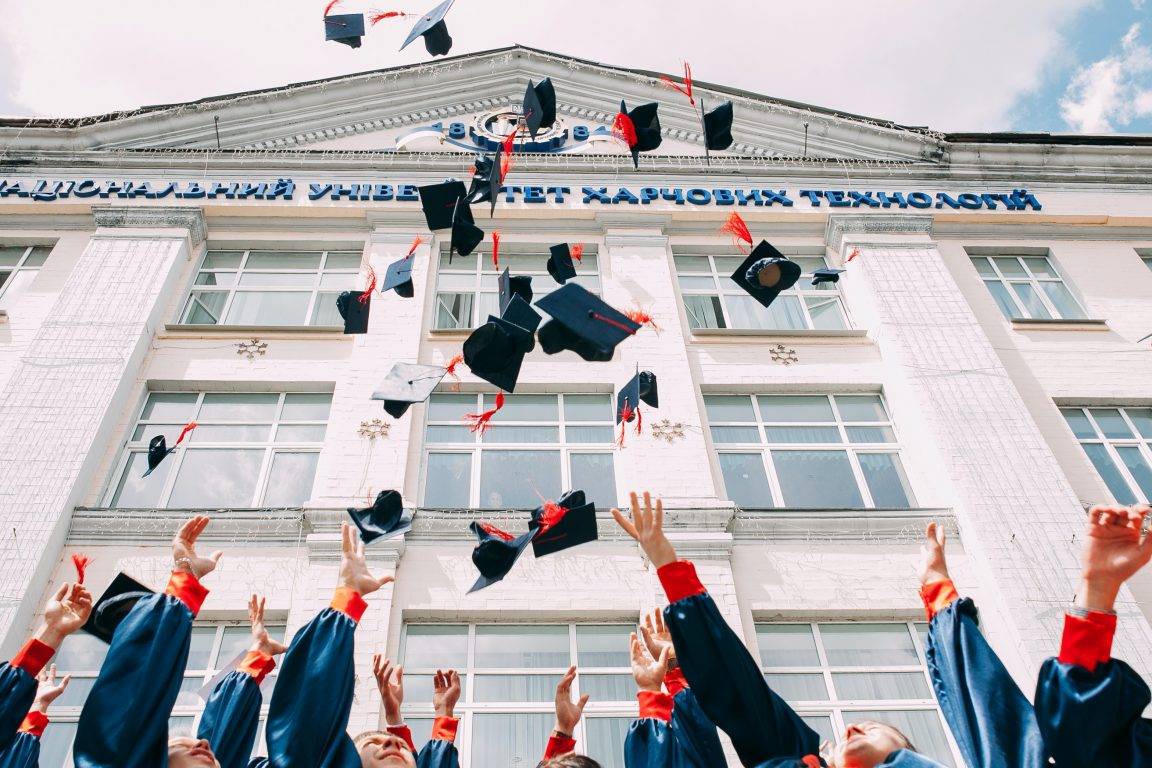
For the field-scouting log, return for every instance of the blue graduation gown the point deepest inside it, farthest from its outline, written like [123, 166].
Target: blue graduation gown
[231, 719]
[23, 752]
[688, 740]
[438, 753]
[17, 692]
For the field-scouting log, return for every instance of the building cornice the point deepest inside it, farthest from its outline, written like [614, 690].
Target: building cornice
[841, 227]
[189, 218]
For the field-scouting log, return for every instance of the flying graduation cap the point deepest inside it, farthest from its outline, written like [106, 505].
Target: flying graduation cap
[717, 126]
[485, 184]
[568, 522]
[495, 351]
[560, 264]
[766, 273]
[399, 278]
[158, 449]
[583, 323]
[826, 275]
[384, 519]
[514, 285]
[639, 129]
[432, 28]
[539, 106]
[640, 389]
[407, 384]
[496, 552]
[446, 207]
[346, 28]
[114, 605]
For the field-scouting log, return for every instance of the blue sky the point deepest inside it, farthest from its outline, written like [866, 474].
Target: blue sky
[979, 65]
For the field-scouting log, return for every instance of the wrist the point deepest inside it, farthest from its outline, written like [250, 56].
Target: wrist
[184, 565]
[562, 732]
[50, 636]
[393, 717]
[1097, 594]
[445, 712]
[648, 687]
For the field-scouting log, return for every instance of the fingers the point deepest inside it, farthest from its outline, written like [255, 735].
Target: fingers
[646, 512]
[580, 704]
[453, 679]
[647, 633]
[359, 548]
[659, 526]
[215, 557]
[663, 660]
[625, 523]
[400, 676]
[438, 682]
[64, 683]
[565, 684]
[660, 622]
[385, 580]
[639, 653]
[376, 663]
[62, 592]
[348, 546]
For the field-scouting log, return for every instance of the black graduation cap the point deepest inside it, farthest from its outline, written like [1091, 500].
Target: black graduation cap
[646, 120]
[583, 323]
[434, 31]
[439, 202]
[766, 273]
[346, 28]
[158, 449]
[495, 351]
[399, 278]
[407, 384]
[354, 311]
[496, 553]
[539, 106]
[826, 275]
[485, 184]
[568, 523]
[718, 127]
[641, 389]
[384, 519]
[518, 285]
[465, 234]
[560, 264]
[113, 606]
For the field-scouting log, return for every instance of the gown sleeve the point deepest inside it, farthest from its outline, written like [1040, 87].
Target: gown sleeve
[232, 714]
[992, 721]
[18, 687]
[1088, 704]
[725, 679]
[308, 715]
[440, 751]
[650, 743]
[695, 734]
[24, 751]
[124, 721]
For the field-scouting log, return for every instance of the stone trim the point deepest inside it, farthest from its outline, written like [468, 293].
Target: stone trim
[153, 217]
[840, 225]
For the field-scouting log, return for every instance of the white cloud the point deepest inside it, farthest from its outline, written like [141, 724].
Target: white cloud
[1113, 91]
[953, 66]
[1138, 5]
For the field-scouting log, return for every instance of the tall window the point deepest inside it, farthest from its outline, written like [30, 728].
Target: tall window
[19, 266]
[251, 449]
[822, 451]
[214, 646]
[1147, 261]
[712, 300]
[271, 287]
[468, 291]
[1118, 442]
[537, 446]
[836, 674]
[1027, 287]
[509, 675]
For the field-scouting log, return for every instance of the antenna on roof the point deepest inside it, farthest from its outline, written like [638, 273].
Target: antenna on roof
[805, 139]
[217, 118]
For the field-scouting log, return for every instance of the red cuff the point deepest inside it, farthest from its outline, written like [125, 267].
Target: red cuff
[559, 745]
[403, 732]
[675, 681]
[349, 603]
[680, 581]
[444, 729]
[33, 656]
[34, 723]
[258, 664]
[938, 595]
[1087, 639]
[656, 704]
[187, 589]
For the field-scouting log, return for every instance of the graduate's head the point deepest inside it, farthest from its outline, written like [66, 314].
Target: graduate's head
[570, 760]
[867, 743]
[187, 752]
[379, 749]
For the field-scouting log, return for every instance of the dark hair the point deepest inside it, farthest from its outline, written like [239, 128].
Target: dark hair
[570, 760]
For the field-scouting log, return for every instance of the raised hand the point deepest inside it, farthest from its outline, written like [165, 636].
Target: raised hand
[647, 527]
[354, 568]
[1114, 551]
[390, 683]
[648, 672]
[66, 612]
[445, 692]
[657, 638]
[568, 712]
[184, 549]
[48, 690]
[933, 564]
[261, 640]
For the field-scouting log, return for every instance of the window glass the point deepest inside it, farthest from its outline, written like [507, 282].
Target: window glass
[19, 266]
[868, 644]
[603, 645]
[1029, 287]
[794, 686]
[745, 479]
[503, 646]
[816, 479]
[787, 645]
[449, 477]
[1117, 442]
[436, 646]
[796, 408]
[508, 478]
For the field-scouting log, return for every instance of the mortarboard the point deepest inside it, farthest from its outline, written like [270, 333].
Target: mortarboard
[399, 278]
[495, 351]
[384, 519]
[432, 28]
[113, 606]
[518, 285]
[346, 28]
[766, 273]
[407, 384]
[465, 234]
[439, 202]
[560, 264]
[485, 184]
[563, 524]
[354, 310]
[640, 389]
[644, 122]
[718, 127]
[158, 449]
[496, 553]
[539, 106]
[826, 275]
[583, 323]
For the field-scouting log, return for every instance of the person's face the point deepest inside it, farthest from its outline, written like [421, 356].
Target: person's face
[186, 752]
[866, 744]
[383, 750]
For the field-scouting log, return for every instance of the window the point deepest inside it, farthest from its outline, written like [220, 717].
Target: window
[713, 300]
[836, 674]
[1147, 261]
[19, 266]
[821, 451]
[537, 446]
[1118, 442]
[271, 287]
[468, 289]
[215, 645]
[251, 449]
[509, 675]
[1027, 287]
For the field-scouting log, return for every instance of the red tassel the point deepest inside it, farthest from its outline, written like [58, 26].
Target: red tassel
[505, 166]
[415, 244]
[736, 227]
[639, 420]
[452, 365]
[364, 297]
[378, 17]
[496, 250]
[479, 421]
[854, 254]
[624, 129]
[643, 318]
[685, 89]
[626, 412]
[80, 562]
[184, 432]
[553, 514]
[614, 323]
[508, 147]
[577, 251]
[492, 530]
[328, 8]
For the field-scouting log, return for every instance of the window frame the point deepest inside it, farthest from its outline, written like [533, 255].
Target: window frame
[1007, 281]
[21, 266]
[1110, 445]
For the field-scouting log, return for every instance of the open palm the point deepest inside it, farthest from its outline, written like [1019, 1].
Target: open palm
[1115, 549]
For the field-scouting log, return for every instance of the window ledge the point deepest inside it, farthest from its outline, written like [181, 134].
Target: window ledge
[450, 333]
[183, 331]
[788, 524]
[766, 334]
[1025, 324]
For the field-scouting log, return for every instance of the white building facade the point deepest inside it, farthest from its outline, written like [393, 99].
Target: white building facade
[977, 364]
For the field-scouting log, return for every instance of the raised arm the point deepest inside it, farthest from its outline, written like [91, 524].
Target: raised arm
[440, 751]
[1088, 704]
[650, 743]
[991, 719]
[24, 751]
[568, 714]
[724, 677]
